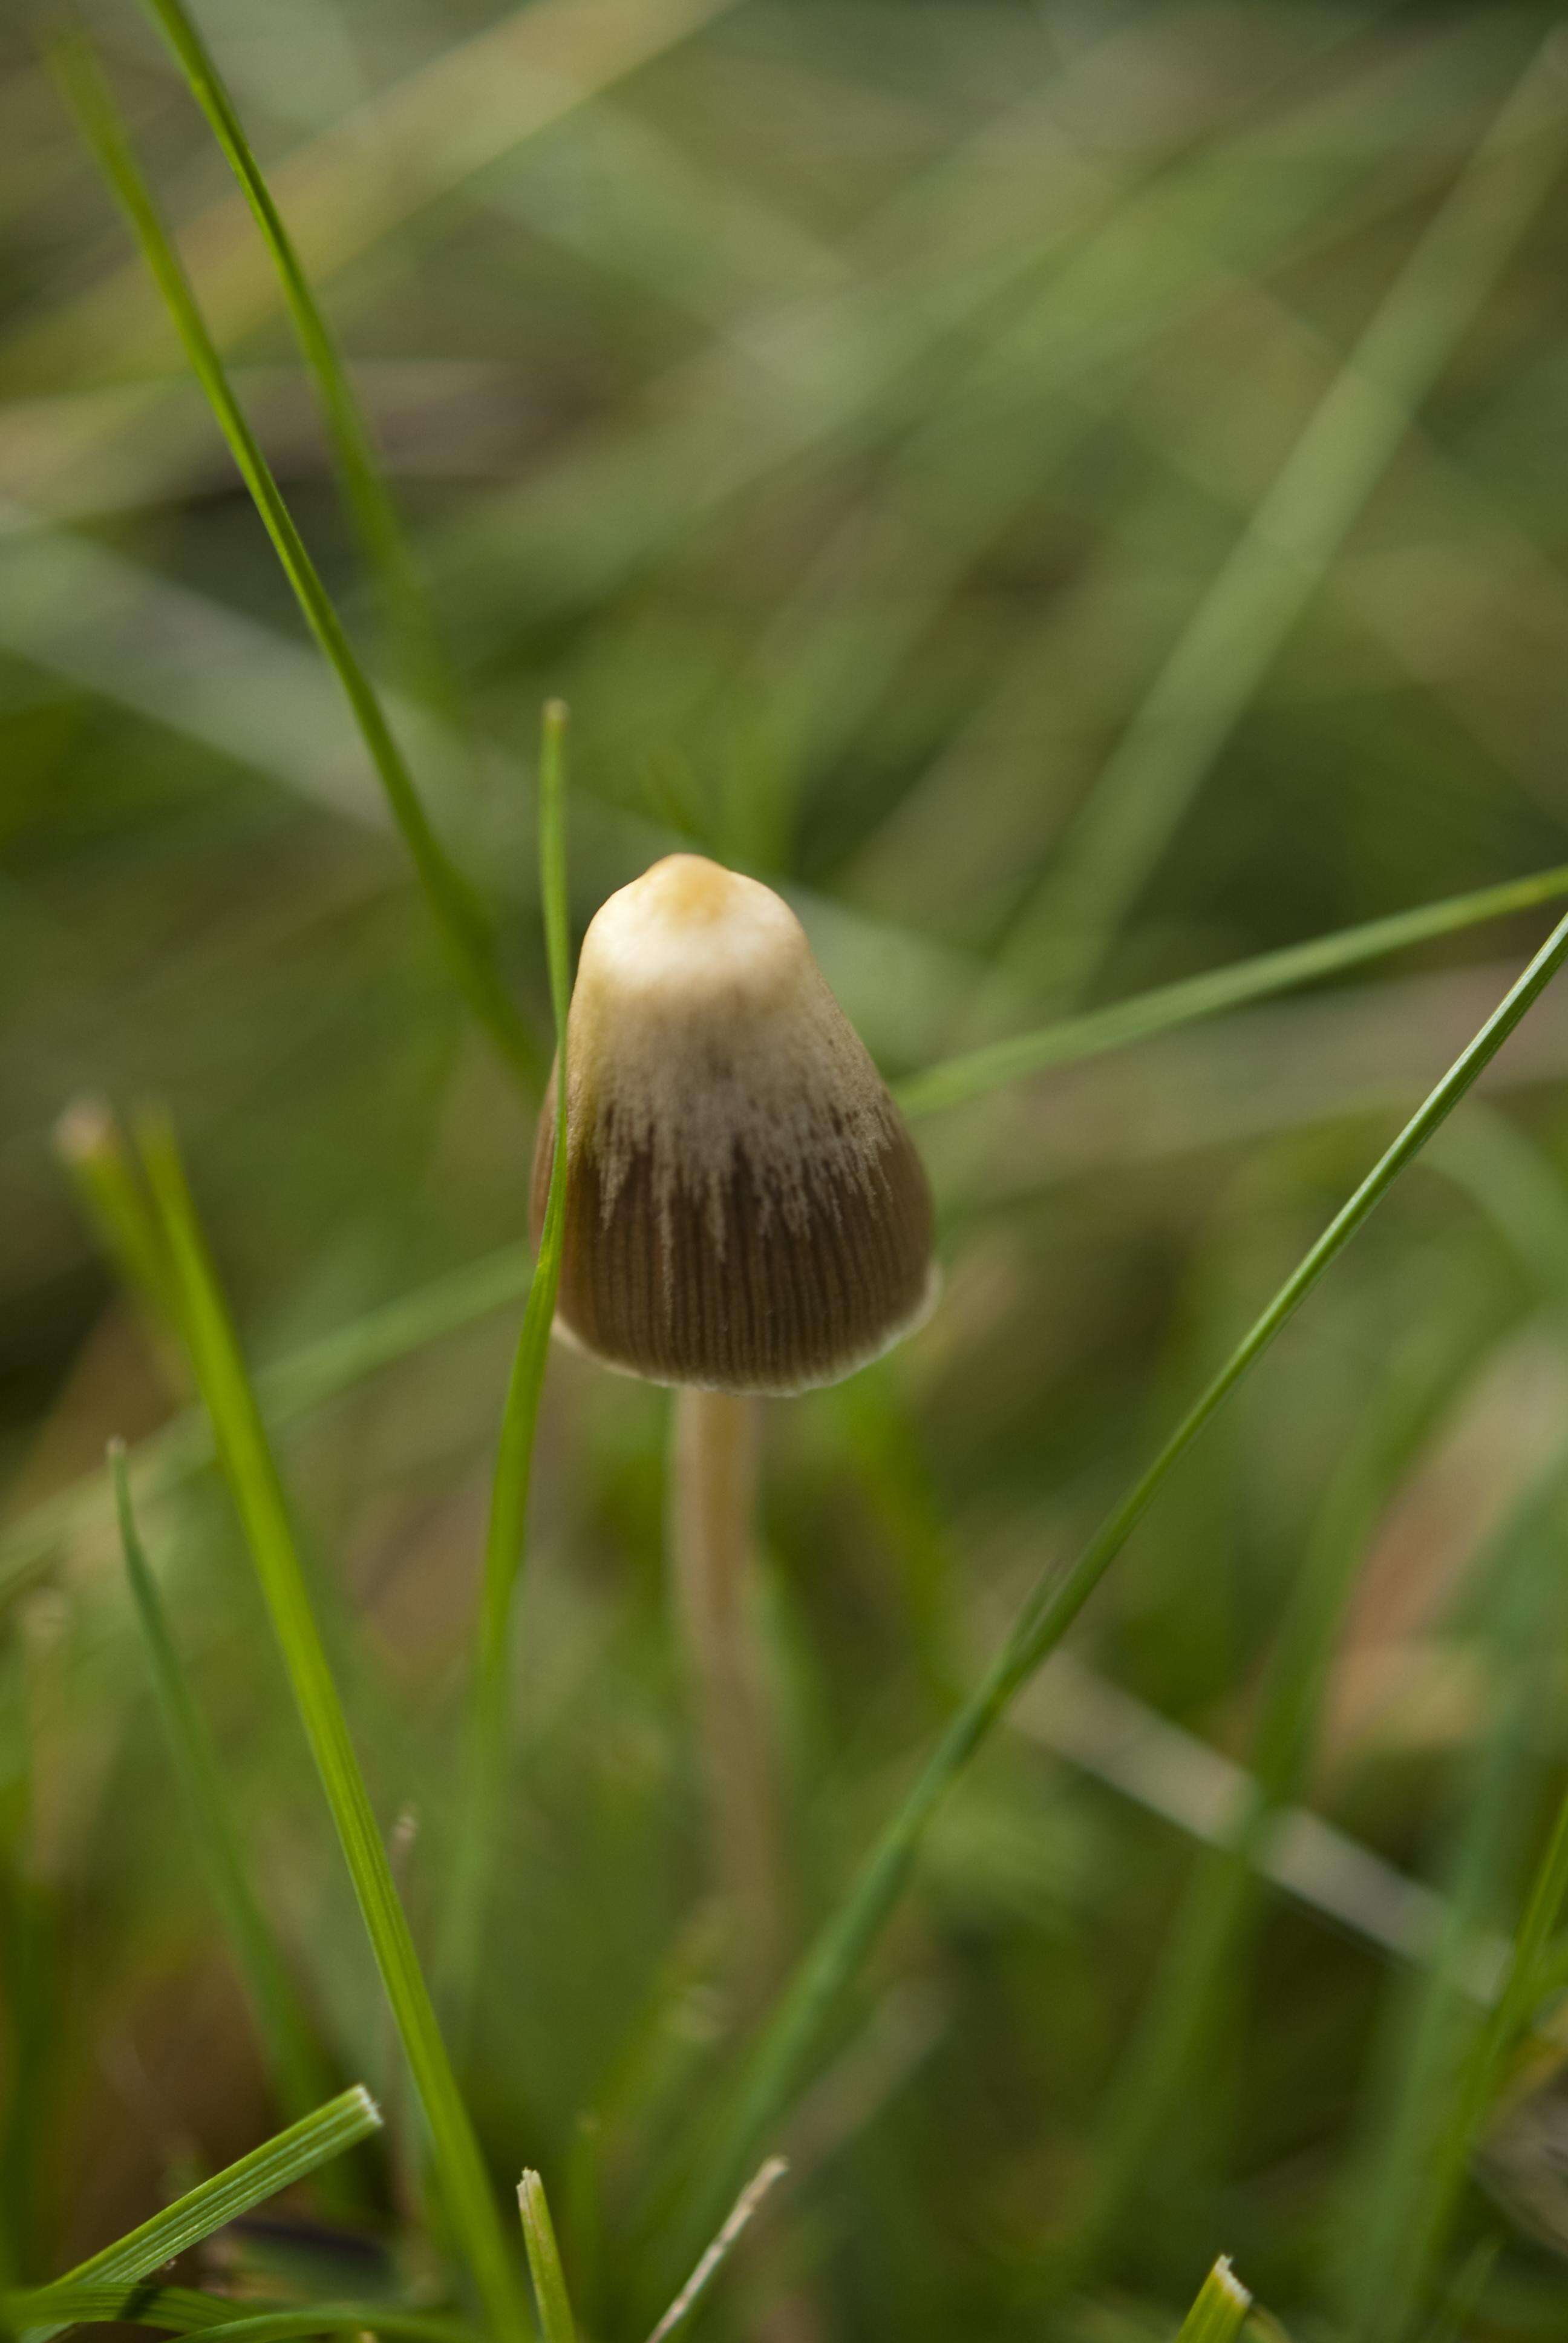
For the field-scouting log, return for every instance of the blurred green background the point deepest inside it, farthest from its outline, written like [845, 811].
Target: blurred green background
[1073, 495]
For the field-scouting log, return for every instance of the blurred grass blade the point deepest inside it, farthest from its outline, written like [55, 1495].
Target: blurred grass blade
[1169, 1005]
[1220, 2310]
[461, 920]
[1434, 2072]
[296, 2065]
[1291, 539]
[174, 2309]
[792, 2036]
[236, 2189]
[185, 2310]
[93, 1150]
[507, 1532]
[360, 475]
[556, 2321]
[258, 1492]
[736, 2220]
[1509, 2022]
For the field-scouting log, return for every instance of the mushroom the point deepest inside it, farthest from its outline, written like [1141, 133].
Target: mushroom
[745, 1214]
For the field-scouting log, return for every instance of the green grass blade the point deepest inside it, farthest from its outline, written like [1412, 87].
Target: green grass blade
[1220, 2310]
[507, 1532]
[461, 920]
[1169, 1005]
[93, 1150]
[790, 2038]
[276, 2165]
[556, 2321]
[1292, 538]
[258, 1492]
[1435, 2072]
[297, 2064]
[186, 2310]
[360, 476]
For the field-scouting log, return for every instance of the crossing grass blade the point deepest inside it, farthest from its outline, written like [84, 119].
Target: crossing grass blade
[1220, 2310]
[276, 2165]
[295, 2061]
[507, 1532]
[461, 920]
[360, 475]
[1168, 1006]
[788, 2041]
[556, 2321]
[256, 1489]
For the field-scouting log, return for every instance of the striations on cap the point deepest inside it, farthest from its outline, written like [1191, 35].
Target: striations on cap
[745, 1208]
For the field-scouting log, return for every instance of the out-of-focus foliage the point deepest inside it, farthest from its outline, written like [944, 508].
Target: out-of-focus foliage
[871, 416]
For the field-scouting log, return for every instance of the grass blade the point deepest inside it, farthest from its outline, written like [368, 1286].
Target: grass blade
[556, 2320]
[1220, 2310]
[276, 2165]
[790, 2038]
[360, 475]
[295, 2061]
[1292, 538]
[1168, 1006]
[185, 2310]
[258, 1492]
[507, 1532]
[736, 2220]
[462, 923]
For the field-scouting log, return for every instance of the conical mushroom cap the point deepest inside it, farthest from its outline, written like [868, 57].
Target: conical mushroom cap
[745, 1208]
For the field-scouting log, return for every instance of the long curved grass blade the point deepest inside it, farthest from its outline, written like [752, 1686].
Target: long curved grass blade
[186, 2310]
[1293, 536]
[792, 2036]
[1168, 1006]
[256, 1489]
[285, 2029]
[360, 476]
[1220, 2310]
[461, 920]
[276, 2165]
[507, 1532]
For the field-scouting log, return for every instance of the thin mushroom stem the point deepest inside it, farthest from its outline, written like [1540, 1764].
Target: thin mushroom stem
[713, 1507]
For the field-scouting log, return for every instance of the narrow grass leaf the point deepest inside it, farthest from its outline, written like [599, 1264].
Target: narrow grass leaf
[360, 475]
[461, 920]
[239, 2189]
[185, 2310]
[296, 2065]
[1293, 536]
[713, 2255]
[256, 1489]
[1220, 2310]
[1168, 1006]
[556, 2320]
[791, 2036]
[507, 1531]
[93, 1150]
